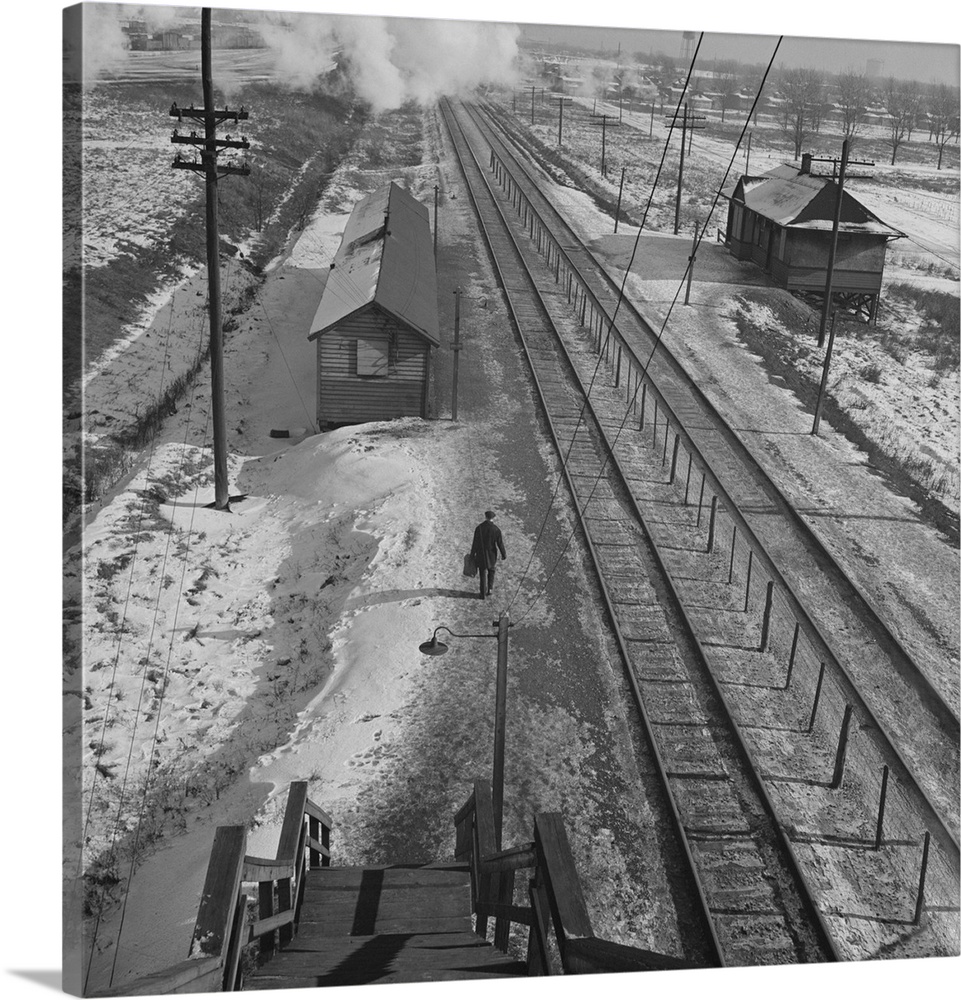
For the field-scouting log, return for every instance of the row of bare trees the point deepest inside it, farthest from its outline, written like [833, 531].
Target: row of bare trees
[909, 106]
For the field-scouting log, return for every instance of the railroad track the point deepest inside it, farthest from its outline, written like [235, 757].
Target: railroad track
[757, 903]
[674, 630]
[845, 629]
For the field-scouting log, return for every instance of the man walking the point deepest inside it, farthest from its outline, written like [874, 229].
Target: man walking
[487, 540]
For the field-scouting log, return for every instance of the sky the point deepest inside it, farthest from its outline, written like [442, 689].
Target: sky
[926, 62]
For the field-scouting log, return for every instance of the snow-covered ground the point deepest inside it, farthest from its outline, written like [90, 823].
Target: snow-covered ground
[275, 643]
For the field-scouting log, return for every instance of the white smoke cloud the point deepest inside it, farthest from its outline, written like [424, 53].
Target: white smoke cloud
[392, 61]
[389, 61]
[92, 42]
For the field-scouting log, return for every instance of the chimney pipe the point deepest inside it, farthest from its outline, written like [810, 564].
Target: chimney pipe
[805, 163]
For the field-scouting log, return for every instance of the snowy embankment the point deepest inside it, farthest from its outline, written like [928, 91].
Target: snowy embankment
[252, 643]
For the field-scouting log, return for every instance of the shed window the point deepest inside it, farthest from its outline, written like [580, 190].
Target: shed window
[372, 356]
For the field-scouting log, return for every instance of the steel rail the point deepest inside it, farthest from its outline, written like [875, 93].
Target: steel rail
[941, 706]
[812, 630]
[803, 888]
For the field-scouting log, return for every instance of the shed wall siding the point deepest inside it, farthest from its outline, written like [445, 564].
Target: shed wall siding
[345, 397]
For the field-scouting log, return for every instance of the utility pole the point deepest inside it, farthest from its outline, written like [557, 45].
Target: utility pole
[824, 377]
[688, 122]
[690, 268]
[456, 347]
[436, 196]
[680, 174]
[560, 98]
[209, 147]
[832, 253]
[532, 105]
[500, 727]
[603, 145]
[620, 191]
[747, 162]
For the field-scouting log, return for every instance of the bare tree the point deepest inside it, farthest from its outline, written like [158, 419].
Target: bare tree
[727, 84]
[800, 114]
[854, 92]
[899, 112]
[943, 112]
[914, 99]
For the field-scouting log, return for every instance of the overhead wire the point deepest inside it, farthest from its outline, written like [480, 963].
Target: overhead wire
[166, 671]
[123, 790]
[580, 417]
[666, 319]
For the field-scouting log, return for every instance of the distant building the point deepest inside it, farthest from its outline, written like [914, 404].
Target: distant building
[783, 222]
[377, 319]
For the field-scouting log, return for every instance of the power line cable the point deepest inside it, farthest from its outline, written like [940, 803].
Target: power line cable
[119, 817]
[166, 671]
[660, 333]
[580, 417]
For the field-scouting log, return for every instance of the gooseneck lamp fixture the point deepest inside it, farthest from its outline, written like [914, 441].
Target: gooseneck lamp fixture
[434, 647]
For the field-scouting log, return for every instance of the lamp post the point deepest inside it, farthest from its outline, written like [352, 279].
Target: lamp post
[433, 647]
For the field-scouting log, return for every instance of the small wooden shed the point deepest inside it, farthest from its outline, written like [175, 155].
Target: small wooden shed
[783, 221]
[377, 319]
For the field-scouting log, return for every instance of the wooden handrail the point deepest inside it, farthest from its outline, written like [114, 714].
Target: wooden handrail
[266, 870]
[317, 813]
[170, 980]
[267, 924]
[222, 930]
[521, 856]
[556, 896]
[590, 955]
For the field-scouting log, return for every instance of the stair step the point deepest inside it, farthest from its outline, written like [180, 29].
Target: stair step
[383, 958]
[397, 923]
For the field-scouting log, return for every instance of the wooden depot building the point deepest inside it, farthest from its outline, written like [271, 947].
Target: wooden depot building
[377, 319]
[783, 220]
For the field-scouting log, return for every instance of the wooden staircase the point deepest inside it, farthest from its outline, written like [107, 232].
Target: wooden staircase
[399, 924]
[313, 924]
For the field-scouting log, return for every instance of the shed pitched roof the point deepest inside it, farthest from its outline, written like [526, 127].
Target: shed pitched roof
[385, 259]
[798, 200]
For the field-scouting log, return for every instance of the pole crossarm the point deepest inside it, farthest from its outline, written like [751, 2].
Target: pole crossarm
[198, 140]
[224, 115]
[222, 169]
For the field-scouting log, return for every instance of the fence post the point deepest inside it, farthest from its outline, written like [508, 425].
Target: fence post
[817, 697]
[924, 872]
[687, 484]
[766, 620]
[700, 500]
[643, 401]
[842, 747]
[711, 524]
[730, 568]
[747, 587]
[790, 664]
[677, 444]
[879, 835]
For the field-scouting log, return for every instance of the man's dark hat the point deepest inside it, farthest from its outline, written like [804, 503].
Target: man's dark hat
[489, 514]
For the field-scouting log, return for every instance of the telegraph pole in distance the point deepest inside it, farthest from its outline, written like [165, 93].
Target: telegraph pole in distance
[688, 121]
[680, 174]
[456, 348]
[824, 378]
[620, 191]
[532, 105]
[560, 98]
[690, 267]
[832, 252]
[209, 147]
